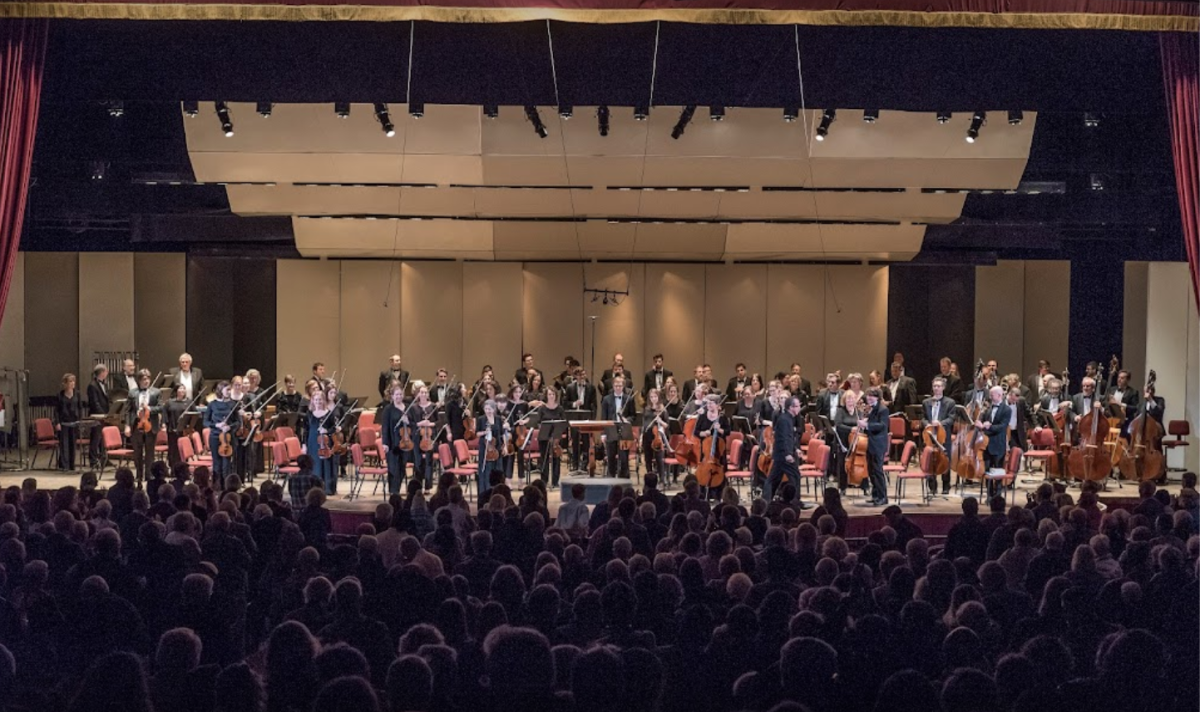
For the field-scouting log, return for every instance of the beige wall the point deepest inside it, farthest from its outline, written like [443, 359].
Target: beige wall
[105, 306]
[160, 308]
[52, 319]
[12, 328]
[1022, 310]
[308, 318]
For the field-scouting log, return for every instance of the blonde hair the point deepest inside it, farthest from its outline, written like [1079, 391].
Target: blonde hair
[67, 378]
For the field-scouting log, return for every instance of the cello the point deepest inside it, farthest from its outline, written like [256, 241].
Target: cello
[1087, 460]
[688, 452]
[938, 461]
[856, 453]
[710, 473]
[1145, 433]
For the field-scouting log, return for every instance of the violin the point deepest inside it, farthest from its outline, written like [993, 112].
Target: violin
[406, 441]
[323, 449]
[339, 444]
[765, 460]
[1145, 432]
[711, 470]
[143, 423]
[491, 453]
[225, 448]
[688, 452]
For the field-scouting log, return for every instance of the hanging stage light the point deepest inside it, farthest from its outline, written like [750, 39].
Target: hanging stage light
[685, 117]
[531, 113]
[791, 113]
[827, 119]
[191, 108]
[641, 113]
[716, 113]
[416, 109]
[264, 109]
[1016, 117]
[491, 110]
[226, 121]
[385, 119]
[342, 109]
[943, 117]
[870, 115]
[566, 111]
[602, 118]
[977, 121]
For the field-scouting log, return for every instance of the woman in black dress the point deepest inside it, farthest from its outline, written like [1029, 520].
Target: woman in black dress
[66, 414]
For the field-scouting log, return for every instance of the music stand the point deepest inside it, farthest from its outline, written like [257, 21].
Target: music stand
[741, 425]
[550, 432]
[729, 408]
[189, 420]
[284, 420]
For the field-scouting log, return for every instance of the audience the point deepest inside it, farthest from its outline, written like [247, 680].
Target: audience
[231, 600]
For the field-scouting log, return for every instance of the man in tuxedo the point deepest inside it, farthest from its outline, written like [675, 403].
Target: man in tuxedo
[187, 375]
[127, 379]
[393, 373]
[1052, 400]
[616, 407]
[1086, 399]
[784, 460]
[562, 380]
[656, 377]
[440, 390]
[805, 385]
[580, 395]
[875, 425]
[144, 397]
[1124, 395]
[1156, 406]
[522, 374]
[98, 405]
[1019, 419]
[901, 390]
[607, 376]
[954, 384]
[938, 408]
[1037, 382]
[690, 386]
[740, 380]
[980, 394]
[993, 421]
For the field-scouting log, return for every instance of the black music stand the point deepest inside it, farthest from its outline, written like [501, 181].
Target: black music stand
[729, 408]
[284, 420]
[740, 424]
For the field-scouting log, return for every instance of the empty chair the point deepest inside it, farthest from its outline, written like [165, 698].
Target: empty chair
[113, 447]
[43, 430]
[362, 470]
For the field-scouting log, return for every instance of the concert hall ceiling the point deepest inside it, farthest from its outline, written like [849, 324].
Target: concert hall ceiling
[1050, 187]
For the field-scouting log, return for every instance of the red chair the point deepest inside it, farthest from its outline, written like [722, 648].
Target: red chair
[735, 451]
[921, 474]
[815, 467]
[463, 471]
[283, 433]
[113, 447]
[293, 449]
[43, 430]
[897, 431]
[367, 437]
[1042, 448]
[1012, 463]
[362, 471]
[906, 456]
[366, 419]
[200, 443]
[284, 465]
[160, 444]
[187, 454]
[1180, 429]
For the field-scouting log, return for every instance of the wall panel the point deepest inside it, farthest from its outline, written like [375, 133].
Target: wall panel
[106, 307]
[308, 315]
[552, 316]
[795, 306]
[51, 319]
[999, 316]
[1133, 350]
[492, 321]
[675, 315]
[370, 323]
[160, 308]
[1047, 315]
[735, 318]
[431, 329]
[856, 321]
[1171, 336]
[620, 328]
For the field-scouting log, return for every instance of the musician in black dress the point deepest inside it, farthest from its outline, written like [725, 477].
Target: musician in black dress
[847, 420]
[68, 410]
[421, 415]
[490, 428]
[390, 424]
[550, 410]
[98, 405]
[513, 409]
[616, 407]
[253, 401]
[747, 407]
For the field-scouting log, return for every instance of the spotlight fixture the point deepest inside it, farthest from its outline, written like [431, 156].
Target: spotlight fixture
[977, 120]
[1097, 181]
[1015, 117]
[685, 117]
[531, 113]
[565, 111]
[1091, 119]
[602, 117]
[870, 115]
[342, 109]
[416, 109]
[385, 119]
[791, 113]
[223, 116]
[116, 109]
[641, 113]
[99, 168]
[716, 113]
[827, 118]
[191, 108]
[491, 111]
[943, 117]
[264, 109]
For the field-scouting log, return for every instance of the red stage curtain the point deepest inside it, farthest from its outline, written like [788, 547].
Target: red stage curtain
[22, 49]
[1181, 64]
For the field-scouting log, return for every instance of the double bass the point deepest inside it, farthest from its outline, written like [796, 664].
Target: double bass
[970, 443]
[856, 453]
[1087, 460]
[1143, 460]
[937, 462]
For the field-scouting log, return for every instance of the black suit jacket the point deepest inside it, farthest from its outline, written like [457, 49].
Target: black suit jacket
[906, 394]
[731, 387]
[608, 408]
[1024, 422]
[878, 427]
[648, 381]
[571, 395]
[98, 402]
[806, 386]
[954, 388]
[131, 414]
[385, 378]
[997, 442]
[689, 387]
[945, 416]
[197, 380]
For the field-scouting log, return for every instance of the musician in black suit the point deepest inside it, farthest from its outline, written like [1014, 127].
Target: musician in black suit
[875, 425]
[521, 375]
[1086, 399]
[954, 384]
[1155, 405]
[939, 409]
[1036, 383]
[740, 380]
[656, 377]
[979, 395]
[579, 395]
[173, 412]
[127, 380]
[616, 407]
[1019, 419]
[187, 376]
[901, 390]
[393, 373]
[805, 385]
[607, 377]
[98, 405]
[993, 421]
[690, 386]
[144, 397]
[1052, 399]
[784, 460]
[1124, 396]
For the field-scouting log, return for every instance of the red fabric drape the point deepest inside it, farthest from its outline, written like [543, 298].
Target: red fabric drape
[22, 50]
[1181, 65]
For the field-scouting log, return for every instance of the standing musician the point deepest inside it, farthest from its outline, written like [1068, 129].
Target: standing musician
[522, 374]
[1152, 404]
[393, 373]
[192, 379]
[394, 417]
[846, 421]
[901, 390]
[1052, 400]
[616, 407]
[784, 448]
[174, 411]
[580, 395]
[993, 421]
[954, 384]
[564, 378]
[127, 380]
[513, 409]
[1037, 382]
[486, 392]
[607, 377]
[551, 463]
[323, 417]
[1019, 419]
[795, 387]
[737, 383]
[747, 407]
[144, 399]
[421, 415]
[938, 408]
[237, 393]
[98, 405]
[693, 385]
[875, 425]
[218, 419]
[251, 453]
[618, 371]
[491, 429]
[456, 414]
[829, 406]
[291, 400]
[1124, 396]
[671, 401]
[318, 375]
[696, 405]
[535, 390]
[654, 417]
[712, 422]
[656, 377]
[440, 389]
[805, 385]
[67, 412]
[979, 394]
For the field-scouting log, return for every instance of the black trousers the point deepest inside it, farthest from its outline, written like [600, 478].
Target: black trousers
[932, 481]
[550, 465]
[173, 447]
[876, 475]
[96, 446]
[617, 460]
[67, 435]
[143, 451]
[990, 461]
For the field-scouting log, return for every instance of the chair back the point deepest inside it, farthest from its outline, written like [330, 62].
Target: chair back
[356, 455]
[1043, 439]
[897, 426]
[278, 454]
[283, 433]
[461, 450]
[44, 429]
[112, 437]
[161, 438]
[198, 442]
[926, 460]
[1179, 428]
[735, 449]
[367, 437]
[1012, 463]
[906, 456]
[293, 448]
[444, 453]
[186, 452]
[366, 419]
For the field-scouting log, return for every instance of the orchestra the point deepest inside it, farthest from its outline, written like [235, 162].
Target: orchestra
[659, 427]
